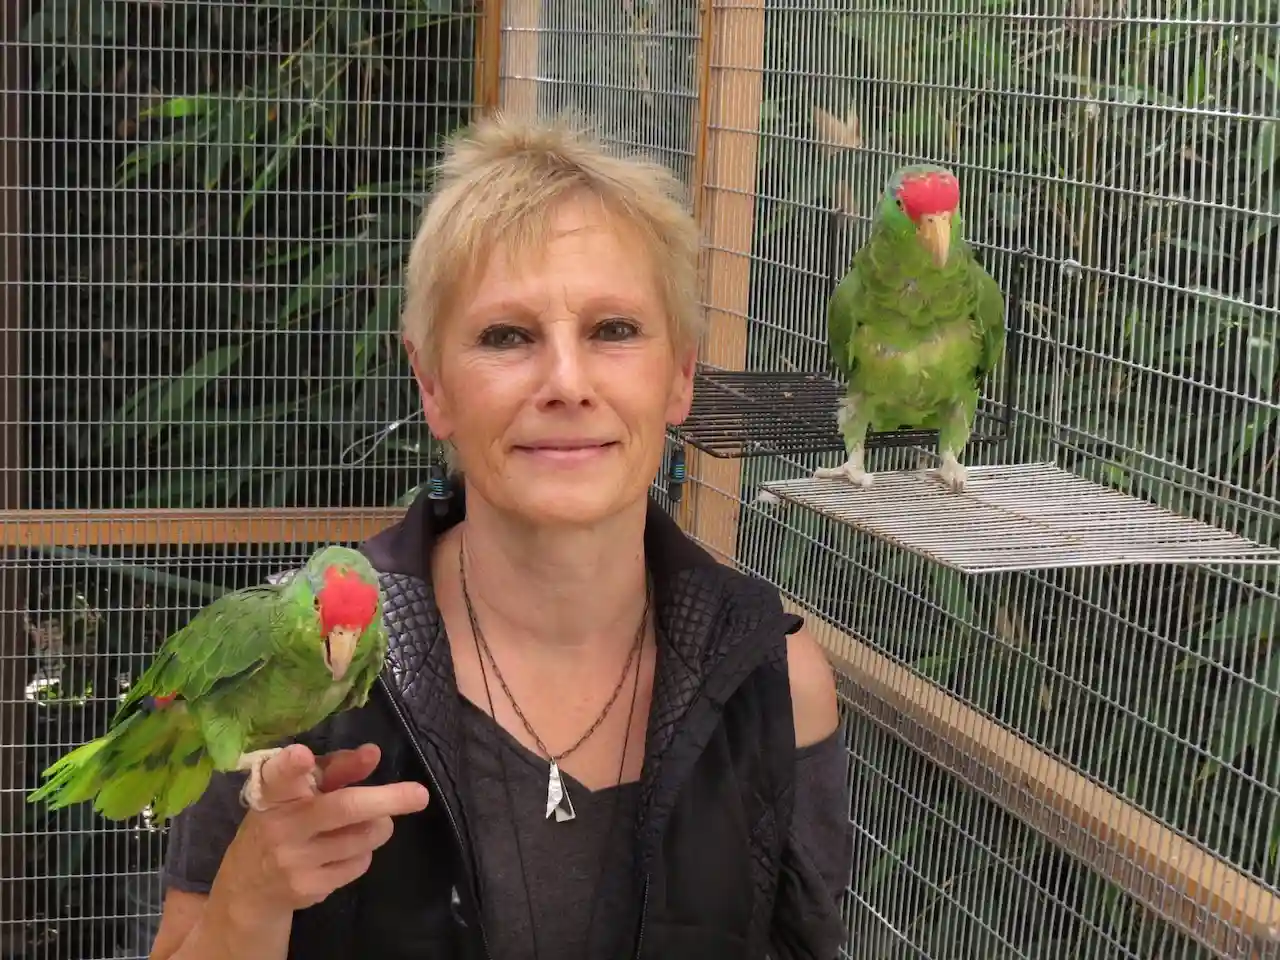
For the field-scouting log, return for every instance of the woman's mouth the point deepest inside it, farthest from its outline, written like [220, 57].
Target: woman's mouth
[567, 451]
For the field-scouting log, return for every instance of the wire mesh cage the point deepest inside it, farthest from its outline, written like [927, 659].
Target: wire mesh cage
[205, 207]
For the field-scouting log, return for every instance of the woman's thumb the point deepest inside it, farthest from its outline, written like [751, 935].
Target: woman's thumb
[289, 775]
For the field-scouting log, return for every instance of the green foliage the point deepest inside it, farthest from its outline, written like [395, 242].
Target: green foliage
[241, 181]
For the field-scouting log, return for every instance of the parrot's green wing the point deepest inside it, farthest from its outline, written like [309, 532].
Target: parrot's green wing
[841, 314]
[988, 317]
[229, 640]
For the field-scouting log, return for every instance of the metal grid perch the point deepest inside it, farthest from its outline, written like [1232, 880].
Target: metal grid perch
[1018, 518]
[742, 413]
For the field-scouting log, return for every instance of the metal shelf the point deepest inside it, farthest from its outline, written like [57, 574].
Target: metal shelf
[739, 414]
[1013, 518]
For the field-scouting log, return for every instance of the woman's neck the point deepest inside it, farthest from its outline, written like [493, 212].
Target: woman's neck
[566, 588]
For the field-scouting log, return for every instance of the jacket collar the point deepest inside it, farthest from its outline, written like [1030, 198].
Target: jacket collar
[711, 622]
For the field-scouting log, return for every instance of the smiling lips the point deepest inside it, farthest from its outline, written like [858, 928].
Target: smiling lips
[566, 449]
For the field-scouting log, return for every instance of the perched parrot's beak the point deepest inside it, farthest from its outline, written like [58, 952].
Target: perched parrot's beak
[934, 232]
[339, 648]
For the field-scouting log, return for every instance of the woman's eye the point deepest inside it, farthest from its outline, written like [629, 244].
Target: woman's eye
[617, 330]
[503, 336]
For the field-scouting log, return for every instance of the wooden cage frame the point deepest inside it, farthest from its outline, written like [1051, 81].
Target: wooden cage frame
[1197, 892]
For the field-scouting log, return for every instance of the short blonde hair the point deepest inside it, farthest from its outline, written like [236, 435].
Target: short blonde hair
[502, 179]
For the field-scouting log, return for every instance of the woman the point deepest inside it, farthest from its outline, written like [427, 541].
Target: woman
[592, 739]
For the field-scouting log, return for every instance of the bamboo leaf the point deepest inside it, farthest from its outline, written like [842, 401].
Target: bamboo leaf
[343, 269]
[142, 161]
[1247, 720]
[381, 321]
[179, 107]
[1265, 150]
[279, 159]
[888, 862]
[147, 412]
[238, 124]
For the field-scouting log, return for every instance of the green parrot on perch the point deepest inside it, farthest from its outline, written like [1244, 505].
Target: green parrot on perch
[914, 326]
[251, 669]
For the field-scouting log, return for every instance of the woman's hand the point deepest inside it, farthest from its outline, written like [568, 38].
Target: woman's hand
[305, 844]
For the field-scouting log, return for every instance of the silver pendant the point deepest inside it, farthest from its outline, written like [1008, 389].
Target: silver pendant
[558, 801]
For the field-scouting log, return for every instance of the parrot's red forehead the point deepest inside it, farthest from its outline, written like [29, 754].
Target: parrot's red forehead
[346, 601]
[931, 192]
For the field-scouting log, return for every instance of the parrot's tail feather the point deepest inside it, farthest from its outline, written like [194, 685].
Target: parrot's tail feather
[155, 759]
[70, 779]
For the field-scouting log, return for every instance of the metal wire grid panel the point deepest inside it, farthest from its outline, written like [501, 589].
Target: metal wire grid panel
[205, 210]
[941, 871]
[1059, 767]
[628, 70]
[1130, 147]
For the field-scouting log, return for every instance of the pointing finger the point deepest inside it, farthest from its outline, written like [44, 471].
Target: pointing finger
[358, 804]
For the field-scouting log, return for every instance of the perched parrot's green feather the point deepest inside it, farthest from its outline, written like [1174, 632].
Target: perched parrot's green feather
[247, 672]
[914, 341]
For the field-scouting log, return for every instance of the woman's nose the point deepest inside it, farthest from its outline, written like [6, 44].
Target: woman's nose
[567, 379]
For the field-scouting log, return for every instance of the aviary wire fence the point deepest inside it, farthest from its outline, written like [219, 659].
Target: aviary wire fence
[205, 208]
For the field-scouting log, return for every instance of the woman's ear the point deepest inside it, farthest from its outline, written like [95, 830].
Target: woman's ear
[434, 407]
[682, 386]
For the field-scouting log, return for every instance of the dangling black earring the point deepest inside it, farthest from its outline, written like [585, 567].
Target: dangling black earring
[439, 489]
[676, 475]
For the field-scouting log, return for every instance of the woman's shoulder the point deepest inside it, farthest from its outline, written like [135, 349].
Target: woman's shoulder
[812, 681]
[814, 705]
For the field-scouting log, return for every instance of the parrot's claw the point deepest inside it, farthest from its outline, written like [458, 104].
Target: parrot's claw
[952, 474]
[850, 470]
[253, 762]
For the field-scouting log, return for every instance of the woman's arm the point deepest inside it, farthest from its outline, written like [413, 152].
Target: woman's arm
[196, 926]
[814, 707]
[818, 856]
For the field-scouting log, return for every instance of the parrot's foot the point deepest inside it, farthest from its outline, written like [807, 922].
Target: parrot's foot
[851, 470]
[251, 792]
[952, 474]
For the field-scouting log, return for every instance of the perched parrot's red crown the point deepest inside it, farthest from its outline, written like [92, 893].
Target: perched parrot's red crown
[346, 601]
[929, 193]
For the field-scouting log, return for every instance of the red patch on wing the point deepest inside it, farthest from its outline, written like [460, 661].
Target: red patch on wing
[162, 702]
[932, 192]
[346, 601]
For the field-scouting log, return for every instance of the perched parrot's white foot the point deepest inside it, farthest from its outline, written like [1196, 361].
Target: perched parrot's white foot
[952, 474]
[851, 470]
[251, 792]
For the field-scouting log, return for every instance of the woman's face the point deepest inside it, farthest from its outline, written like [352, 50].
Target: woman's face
[557, 380]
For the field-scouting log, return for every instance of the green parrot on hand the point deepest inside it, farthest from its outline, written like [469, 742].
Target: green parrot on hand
[251, 669]
[914, 326]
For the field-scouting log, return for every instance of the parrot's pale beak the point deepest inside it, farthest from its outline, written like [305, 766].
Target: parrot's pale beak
[339, 648]
[934, 232]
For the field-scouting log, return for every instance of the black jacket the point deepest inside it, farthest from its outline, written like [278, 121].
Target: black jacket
[716, 787]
